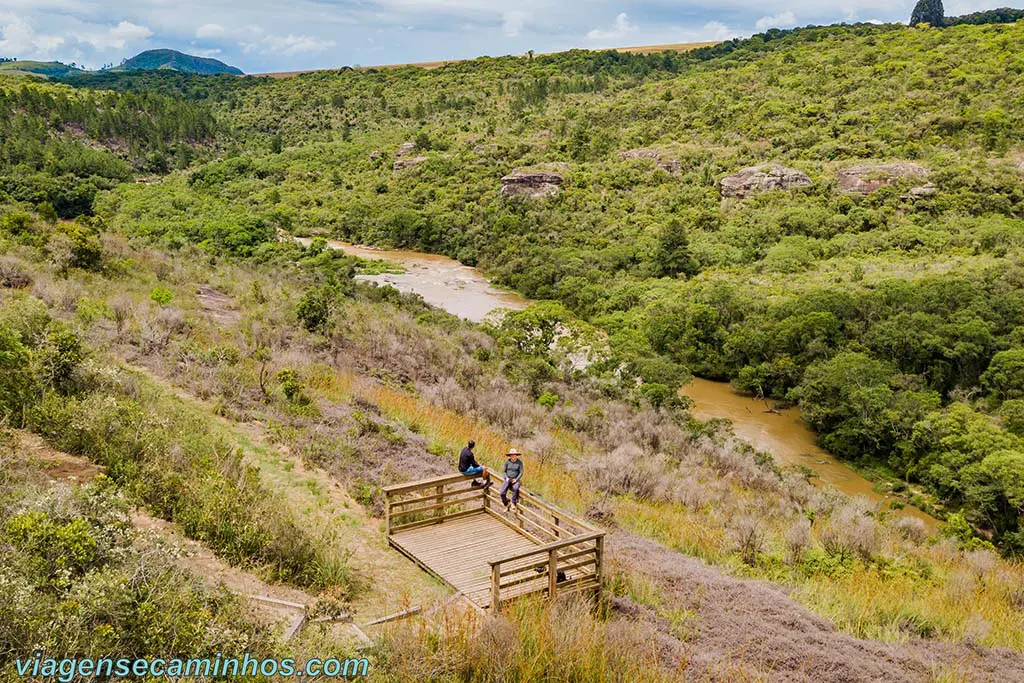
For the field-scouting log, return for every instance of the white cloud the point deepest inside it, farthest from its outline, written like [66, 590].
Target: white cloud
[781, 20]
[210, 31]
[114, 38]
[20, 39]
[205, 52]
[128, 31]
[716, 30]
[289, 45]
[512, 22]
[622, 28]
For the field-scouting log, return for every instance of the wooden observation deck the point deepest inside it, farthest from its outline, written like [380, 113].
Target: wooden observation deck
[464, 537]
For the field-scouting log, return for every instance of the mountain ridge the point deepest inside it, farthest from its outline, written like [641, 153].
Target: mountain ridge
[166, 58]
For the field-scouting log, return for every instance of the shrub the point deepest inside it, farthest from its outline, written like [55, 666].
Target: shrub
[161, 295]
[911, 528]
[314, 308]
[57, 552]
[850, 531]
[798, 538]
[291, 386]
[627, 469]
[13, 274]
[748, 538]
[75, 245]
[548, 400]
[17, 384]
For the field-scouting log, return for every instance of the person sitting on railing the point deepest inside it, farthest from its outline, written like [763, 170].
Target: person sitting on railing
[513, 478]
[469, 465]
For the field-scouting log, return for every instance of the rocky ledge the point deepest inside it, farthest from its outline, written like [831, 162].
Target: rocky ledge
[531, 183]
[762, 179]
[407, 163]
[866, 178]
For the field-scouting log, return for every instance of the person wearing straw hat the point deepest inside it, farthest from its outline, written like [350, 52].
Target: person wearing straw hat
[513, 478]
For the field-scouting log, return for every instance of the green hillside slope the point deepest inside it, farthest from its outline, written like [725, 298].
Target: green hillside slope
[176, 61]
[25, 67]
[913, 288]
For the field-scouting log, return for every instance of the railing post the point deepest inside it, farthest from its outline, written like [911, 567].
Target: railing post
[599, 565]
[552, 574]
[387, 513]
[439, 512]
[496, 588]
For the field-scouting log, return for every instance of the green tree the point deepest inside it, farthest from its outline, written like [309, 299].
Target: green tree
[1005, 375]
[847, 397]
[1012, 412]
[928, 12]
[314, 308]
[673, 257]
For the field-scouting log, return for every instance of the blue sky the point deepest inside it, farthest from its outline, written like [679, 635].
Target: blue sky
[270, 35]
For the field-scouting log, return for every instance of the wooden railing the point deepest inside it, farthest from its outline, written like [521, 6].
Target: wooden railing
[431, 501]
[556, 568]
[569, 554]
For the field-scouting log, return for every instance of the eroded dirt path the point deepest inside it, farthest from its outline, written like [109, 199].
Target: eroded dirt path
[746, 629]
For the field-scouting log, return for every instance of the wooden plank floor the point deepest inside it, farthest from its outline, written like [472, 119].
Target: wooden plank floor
[457, 551]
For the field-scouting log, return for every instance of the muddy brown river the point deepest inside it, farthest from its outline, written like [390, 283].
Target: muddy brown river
[465, 292]
[784, 434]
[441, 281]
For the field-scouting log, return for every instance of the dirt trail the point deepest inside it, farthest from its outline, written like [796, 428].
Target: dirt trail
[189, 554]
[752, 628]
[325, 508]
[57, 465]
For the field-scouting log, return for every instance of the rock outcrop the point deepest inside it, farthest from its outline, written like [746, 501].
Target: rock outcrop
[407, 163]
[405, 149]
[756, 179]
[531, 183]
[670, 165]
[866, 178]
[923, 192]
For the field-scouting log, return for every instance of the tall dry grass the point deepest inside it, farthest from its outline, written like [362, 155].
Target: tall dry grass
[566, 641]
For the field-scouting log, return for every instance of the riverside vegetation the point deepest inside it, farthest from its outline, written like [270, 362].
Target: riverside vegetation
[894, 319]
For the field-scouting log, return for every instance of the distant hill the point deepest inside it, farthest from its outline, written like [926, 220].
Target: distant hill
[641, 49]
[151, 60]
[23, 67]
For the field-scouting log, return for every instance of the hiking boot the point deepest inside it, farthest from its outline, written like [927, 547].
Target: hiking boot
[487, 483]
[476, 483]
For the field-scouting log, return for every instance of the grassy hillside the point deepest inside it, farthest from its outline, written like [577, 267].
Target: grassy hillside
[22, 67]
[252, 392]
[789, 294]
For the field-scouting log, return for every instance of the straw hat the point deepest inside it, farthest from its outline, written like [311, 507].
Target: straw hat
[511, 452]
